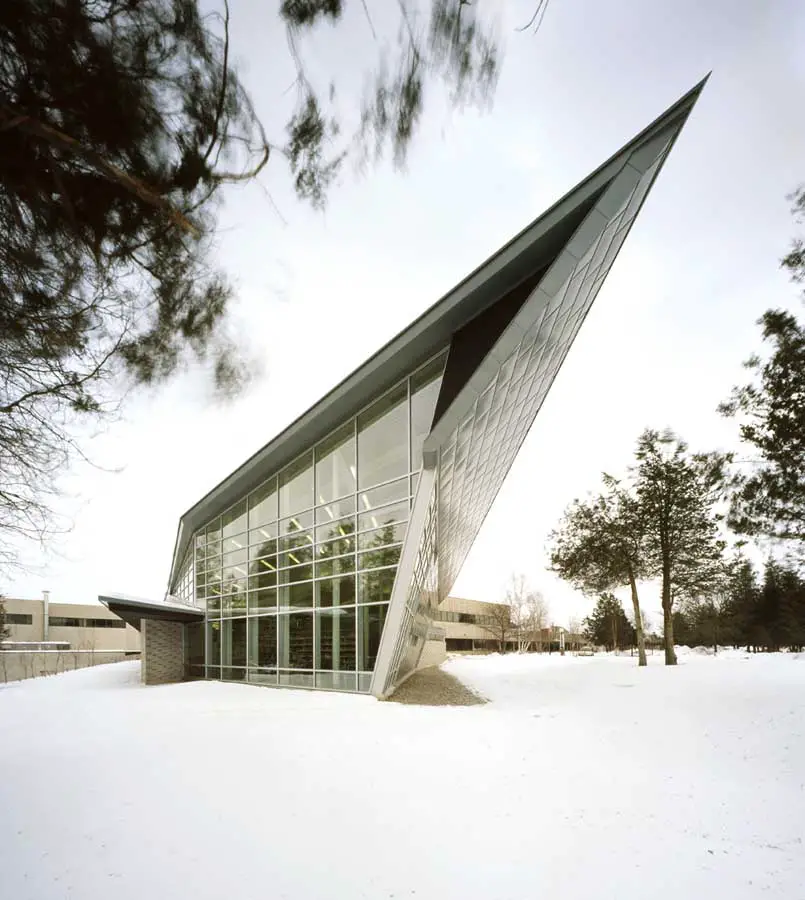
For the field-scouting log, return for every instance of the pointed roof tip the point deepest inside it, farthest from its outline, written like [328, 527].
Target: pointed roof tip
[698, 88]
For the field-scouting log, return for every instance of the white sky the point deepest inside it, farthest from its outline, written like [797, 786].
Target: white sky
[317, 294]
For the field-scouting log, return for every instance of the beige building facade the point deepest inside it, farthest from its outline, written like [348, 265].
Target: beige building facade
[83, 626]
[470, 625]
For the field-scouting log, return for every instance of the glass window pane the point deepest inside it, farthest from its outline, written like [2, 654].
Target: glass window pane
[383, 439]
[263, 641]
[335, 465]
[389, 534]
[296, 486]
[370, 629]
[234, 558]
[233, 544]
[335, 565]
[263, 504]
[234, 604]
[336, 591]
[299, 522]
[296, 679]
[263, 533]
[295, 573]
[335, 510]
[375, 587]
[386, 556]
[194, 644]
[336, 681]
[397, 490]
[299, 540]
[233, 520]
[335, 641]
[262, 577]
[213, 643]
[233, 642]
[425, 386]
[296, 596]
[263, 549]
[397, 512]
[296, 640]
[264, 600]
[262, 676]
[338, 531]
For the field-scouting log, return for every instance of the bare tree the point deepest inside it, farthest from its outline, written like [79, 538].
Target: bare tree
[527, 611]
[498, 622]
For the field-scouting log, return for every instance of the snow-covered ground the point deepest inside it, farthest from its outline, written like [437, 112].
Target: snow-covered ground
[583, 778]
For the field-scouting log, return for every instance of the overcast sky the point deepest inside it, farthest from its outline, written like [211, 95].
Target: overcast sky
[318, 293]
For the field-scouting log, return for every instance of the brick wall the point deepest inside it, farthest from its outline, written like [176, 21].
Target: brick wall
[162, 657]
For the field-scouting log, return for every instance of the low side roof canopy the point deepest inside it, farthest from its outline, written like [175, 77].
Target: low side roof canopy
[132, 609]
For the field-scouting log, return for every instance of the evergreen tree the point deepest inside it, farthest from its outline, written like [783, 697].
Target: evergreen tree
[769, 498]
[677, 492]
[607, 625]
[599, 545]
[4, 632]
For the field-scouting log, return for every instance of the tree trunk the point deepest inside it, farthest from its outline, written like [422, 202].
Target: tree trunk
[638, 623]
[667, 616]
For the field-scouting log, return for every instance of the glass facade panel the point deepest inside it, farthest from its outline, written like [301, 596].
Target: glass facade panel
[287, 572]
[335, 465]
[396, 512]
[263, 600]
[370, 628]
[263, 504]
[385, 556]
[383, 439]
[335, 639]
[340, 529]
[296, 596]
[337, 565]
[263, 642]
[335, 591]
[388, 493]
[425, 386]
[213, 643]
[336, 681]
[194, 647]
[375, 587]
[335, 510]
[389, 534]
[296, 486]
[295, 641]
[233, 642]
[233, 521]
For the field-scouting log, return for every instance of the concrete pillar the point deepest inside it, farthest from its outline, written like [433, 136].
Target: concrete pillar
[162, 652]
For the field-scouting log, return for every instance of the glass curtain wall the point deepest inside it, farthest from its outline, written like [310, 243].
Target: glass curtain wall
[296, 577]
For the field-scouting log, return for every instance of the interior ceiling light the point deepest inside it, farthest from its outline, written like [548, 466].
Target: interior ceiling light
[366, 502]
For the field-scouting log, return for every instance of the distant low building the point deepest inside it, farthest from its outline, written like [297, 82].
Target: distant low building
[469, 625]
[81, 626]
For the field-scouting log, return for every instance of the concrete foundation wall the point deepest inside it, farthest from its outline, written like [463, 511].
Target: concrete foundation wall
[163, 652]
[17, 665]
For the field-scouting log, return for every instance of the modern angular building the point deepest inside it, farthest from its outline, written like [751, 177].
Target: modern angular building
[321, 562]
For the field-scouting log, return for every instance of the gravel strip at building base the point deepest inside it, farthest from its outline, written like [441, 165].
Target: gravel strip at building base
[433, 687]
